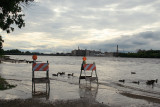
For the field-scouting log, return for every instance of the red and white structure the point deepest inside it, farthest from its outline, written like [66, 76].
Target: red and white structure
[86, 68]
[40, 67]
[89, 67]
[43, 67]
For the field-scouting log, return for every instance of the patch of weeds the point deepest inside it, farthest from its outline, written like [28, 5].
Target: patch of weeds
[5, 85]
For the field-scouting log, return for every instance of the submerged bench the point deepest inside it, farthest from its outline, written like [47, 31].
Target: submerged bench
[87, 68]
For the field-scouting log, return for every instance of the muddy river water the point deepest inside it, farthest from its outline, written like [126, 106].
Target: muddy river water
[109, 69]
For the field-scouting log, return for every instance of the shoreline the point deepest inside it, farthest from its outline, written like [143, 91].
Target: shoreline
[58, 103]
[87, 97]
[39, 101]
[147, 98]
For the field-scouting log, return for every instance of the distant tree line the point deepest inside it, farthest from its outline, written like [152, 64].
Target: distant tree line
[18, 52]
[138, 54]
[142, 54]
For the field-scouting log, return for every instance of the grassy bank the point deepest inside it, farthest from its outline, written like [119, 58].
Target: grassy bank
[4, 84]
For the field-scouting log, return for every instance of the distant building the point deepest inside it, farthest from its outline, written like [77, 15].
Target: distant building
[81, 52]
[95, 53]
[109, 54]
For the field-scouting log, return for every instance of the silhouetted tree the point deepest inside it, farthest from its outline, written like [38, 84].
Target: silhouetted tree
[1, 45]
[27, 52]
[11, 13]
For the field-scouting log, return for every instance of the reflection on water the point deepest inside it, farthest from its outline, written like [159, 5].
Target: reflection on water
[41, 94]
[88, 91]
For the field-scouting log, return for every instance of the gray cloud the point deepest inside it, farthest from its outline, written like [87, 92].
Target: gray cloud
[135, 24]
[89, 14]
[143, 40]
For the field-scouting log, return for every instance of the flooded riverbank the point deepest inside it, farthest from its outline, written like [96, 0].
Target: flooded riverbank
[110, 91]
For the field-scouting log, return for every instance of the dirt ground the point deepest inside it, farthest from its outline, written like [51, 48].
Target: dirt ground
[59, 103]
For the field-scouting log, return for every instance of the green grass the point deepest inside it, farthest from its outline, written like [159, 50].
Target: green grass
[5, 85]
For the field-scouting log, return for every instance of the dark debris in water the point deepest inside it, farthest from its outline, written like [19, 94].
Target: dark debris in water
[5, 85]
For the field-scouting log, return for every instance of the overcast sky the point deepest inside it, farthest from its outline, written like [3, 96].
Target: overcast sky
[63, 25]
